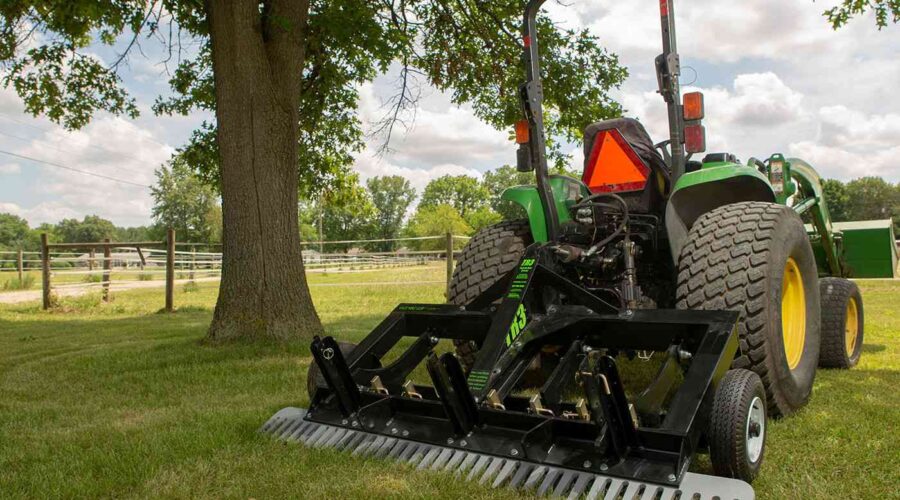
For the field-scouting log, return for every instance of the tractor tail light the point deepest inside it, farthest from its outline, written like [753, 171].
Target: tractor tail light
[693, 106]
[614, 166]
[695, 139]
[522, 133]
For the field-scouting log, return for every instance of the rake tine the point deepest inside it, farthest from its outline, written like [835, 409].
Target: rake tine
[580, 486]
[616, 489]
[408, 453]
[548, 482]
[385, 447]
[429, 457]
[455, 460]
[505, 473]
[470, 459]
[492, 469]
[419, 454]
[478, 467]
[311, 437]
[442, 459]
[535, 476]
[564, 483]
[398, 450]
[599, 488]
[521, 475]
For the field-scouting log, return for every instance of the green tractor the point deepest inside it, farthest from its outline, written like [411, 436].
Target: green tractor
[706, 266]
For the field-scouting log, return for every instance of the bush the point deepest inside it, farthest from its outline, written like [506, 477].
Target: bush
[14, 284]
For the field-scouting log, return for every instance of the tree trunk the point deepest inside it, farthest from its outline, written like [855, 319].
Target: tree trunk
[258, 56]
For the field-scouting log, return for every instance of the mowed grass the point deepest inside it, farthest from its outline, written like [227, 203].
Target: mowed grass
[117, 400]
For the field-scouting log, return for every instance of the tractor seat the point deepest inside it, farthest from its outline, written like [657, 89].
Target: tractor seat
[644, 193]
[636, 135]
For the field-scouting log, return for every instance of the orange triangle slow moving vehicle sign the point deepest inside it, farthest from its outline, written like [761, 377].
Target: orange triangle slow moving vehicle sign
[614, 166]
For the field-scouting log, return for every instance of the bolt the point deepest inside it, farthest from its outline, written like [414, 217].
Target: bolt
[604, 467]
[754, 429]
[394, 430]
[586, 348]
[629, 312]
[463, 442]
[672, 478]
[514, 452]
[496, 370]
[462, 308]
[587, 464]
[371, 425]
[344, 422]
[434, 340]
[355, 423]
[405, 433]
[449, 440]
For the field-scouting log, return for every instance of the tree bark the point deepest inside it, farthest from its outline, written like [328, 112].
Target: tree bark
[258, 57]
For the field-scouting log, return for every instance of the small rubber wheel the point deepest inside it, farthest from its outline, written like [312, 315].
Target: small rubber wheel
[737, 425]
[842, 323]
[314, 376]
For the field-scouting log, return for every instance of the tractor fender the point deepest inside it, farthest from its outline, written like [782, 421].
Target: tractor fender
[706, 189]
[565, 191]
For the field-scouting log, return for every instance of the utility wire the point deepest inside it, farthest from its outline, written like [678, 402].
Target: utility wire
[65, 167]
[61, 150]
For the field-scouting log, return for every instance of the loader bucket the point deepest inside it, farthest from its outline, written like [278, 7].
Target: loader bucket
[869, 248]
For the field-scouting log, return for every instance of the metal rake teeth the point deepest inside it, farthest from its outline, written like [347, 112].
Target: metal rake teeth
[289, 425]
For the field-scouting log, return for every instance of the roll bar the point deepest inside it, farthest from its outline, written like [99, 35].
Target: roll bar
[533, 155]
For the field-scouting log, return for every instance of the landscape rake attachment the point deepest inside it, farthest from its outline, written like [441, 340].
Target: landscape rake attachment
[598, 444]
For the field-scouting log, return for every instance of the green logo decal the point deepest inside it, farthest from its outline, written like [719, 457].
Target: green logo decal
[518, 324]
[478, 379]
[521, 279]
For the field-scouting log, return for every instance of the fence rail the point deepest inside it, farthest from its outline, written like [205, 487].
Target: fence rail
[102, 265]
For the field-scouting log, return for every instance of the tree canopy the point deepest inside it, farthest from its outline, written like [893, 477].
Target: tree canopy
[462, 192]
[187, 205]
[391, 195]
[885, 10]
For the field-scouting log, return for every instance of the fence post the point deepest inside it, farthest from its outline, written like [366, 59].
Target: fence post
[449, 262]
[193, 263]
[91, 256]
[45, 271]
[107, 265]
[170, 269]
[20, 267]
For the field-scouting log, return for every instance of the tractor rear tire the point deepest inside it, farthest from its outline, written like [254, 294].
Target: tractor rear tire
[755, 258]
[489, 256]
[842, 323]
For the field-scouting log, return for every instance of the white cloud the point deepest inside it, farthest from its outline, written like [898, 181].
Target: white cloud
[9, 168]
[10, 208]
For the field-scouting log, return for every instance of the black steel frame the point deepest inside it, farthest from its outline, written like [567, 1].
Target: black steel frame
[485, 414]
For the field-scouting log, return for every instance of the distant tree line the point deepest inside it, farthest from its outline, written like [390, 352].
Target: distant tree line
[377, 210]
[866, 198]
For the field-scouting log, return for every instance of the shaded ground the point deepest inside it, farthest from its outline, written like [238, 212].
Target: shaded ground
[115, 400]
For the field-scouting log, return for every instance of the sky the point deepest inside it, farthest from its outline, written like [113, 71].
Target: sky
[776, 78]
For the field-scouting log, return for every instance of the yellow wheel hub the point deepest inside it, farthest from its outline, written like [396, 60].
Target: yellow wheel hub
[793, 313]
[852, 328]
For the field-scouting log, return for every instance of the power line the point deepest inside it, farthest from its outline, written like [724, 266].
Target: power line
[61, 150]
[65, 167]
[9, 117]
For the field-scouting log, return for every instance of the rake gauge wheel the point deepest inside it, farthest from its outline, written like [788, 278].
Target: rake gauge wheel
[755, 258]
[737, 426]
[842, 323]
[489, 256]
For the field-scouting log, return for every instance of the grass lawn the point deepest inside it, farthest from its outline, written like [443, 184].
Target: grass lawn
[116, 400]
